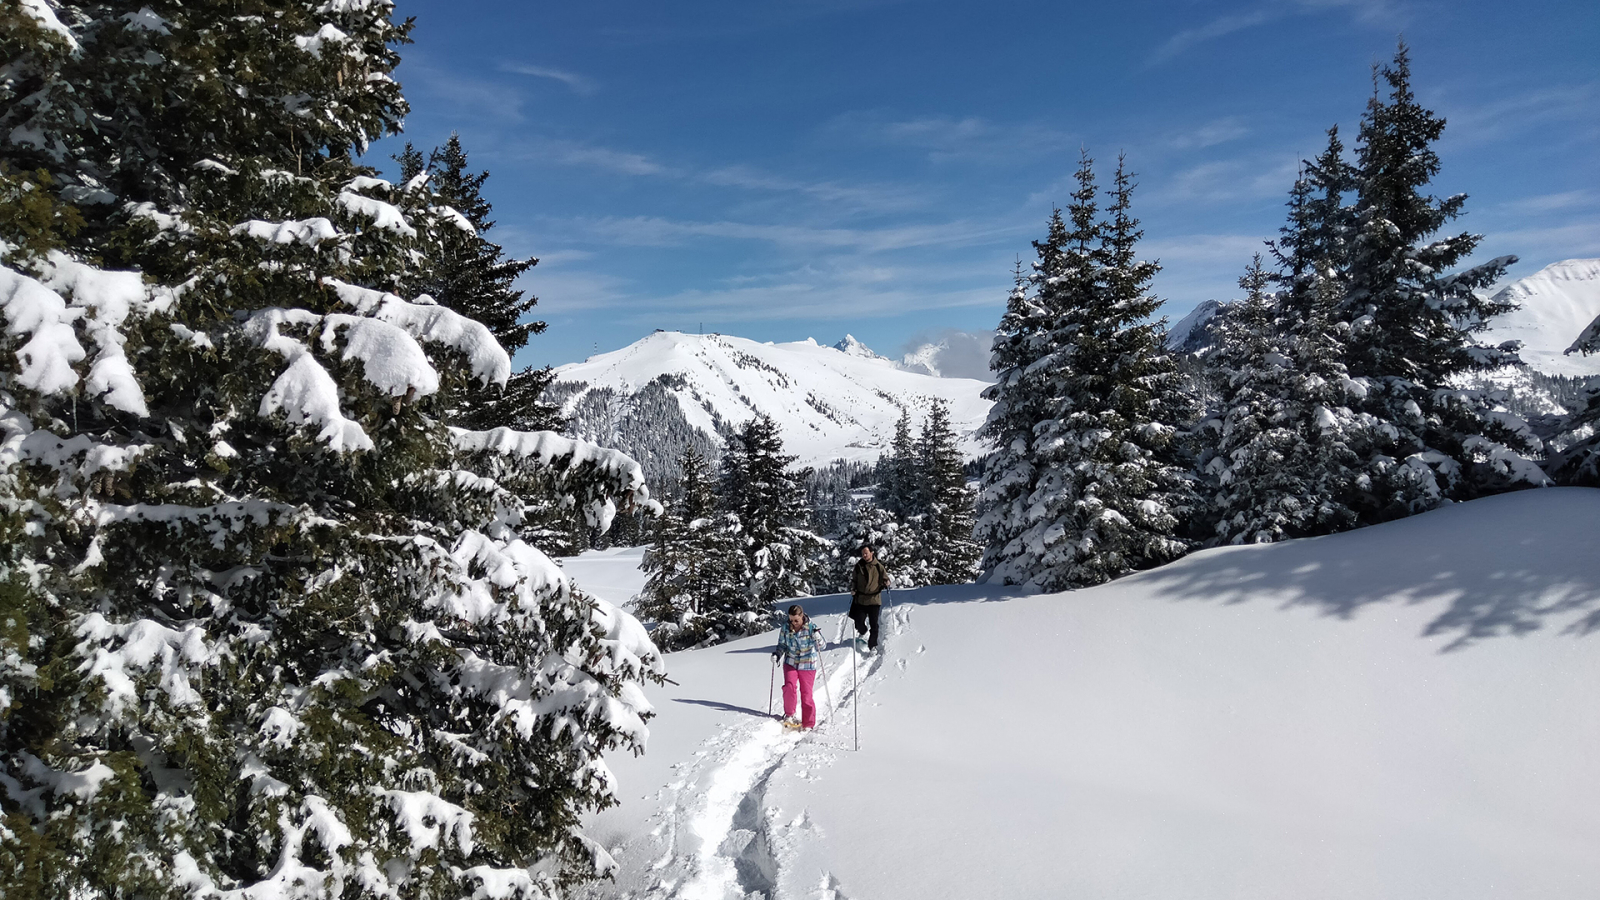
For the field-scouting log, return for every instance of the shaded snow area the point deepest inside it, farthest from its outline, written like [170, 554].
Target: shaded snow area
[1404, 711]
[828, 403]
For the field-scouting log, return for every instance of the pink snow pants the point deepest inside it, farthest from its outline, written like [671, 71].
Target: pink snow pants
[799, 681]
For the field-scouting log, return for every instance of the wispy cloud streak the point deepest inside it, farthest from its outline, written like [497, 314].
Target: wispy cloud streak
[579, 84]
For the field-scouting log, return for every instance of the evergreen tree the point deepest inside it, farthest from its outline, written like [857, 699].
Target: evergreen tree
[1285, 460]
[694, 573]
[1314, 245]
[1578, 461]
[273, 628]
[1023, 391]
[1412, 323]
[768, 503]
[471, 275]
[1089, 476]
[900, 484]
[947, 543]
[897, 545]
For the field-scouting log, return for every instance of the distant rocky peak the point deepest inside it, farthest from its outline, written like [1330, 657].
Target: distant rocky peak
[854, 347]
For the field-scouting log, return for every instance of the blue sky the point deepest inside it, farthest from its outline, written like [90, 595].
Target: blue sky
[785, 170]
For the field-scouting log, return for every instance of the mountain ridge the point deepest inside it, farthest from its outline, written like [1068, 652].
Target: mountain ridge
[672, 389]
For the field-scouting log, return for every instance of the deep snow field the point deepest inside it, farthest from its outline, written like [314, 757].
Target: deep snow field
[1405, 711]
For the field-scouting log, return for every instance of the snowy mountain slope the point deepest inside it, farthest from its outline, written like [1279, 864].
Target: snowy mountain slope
[1335, 717]
[1557, 303]
[1192, 333]
[829, 403]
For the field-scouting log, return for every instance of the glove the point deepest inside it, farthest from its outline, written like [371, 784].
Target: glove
[777, 655]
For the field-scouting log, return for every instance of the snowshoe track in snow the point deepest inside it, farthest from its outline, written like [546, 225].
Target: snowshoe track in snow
[719, 837]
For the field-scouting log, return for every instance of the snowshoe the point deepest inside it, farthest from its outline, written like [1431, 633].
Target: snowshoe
[791, 722]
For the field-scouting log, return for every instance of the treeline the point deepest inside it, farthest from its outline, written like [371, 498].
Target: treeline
[1337, 392]
[733, 543]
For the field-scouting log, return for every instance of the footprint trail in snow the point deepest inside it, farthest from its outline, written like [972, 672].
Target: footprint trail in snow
[717, 836]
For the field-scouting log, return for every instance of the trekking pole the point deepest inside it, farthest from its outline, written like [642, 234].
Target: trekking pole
[823, 671]
[772, 679]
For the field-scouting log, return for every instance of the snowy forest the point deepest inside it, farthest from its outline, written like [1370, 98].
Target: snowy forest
[279, 615]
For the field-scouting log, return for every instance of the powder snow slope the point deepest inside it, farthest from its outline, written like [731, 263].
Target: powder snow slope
[1401, 712]
[1557, 303]
[828, 403]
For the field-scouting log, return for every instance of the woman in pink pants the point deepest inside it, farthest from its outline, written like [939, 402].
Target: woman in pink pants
[799, 647]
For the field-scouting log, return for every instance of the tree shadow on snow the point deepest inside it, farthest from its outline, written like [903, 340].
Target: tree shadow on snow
[1505, 565]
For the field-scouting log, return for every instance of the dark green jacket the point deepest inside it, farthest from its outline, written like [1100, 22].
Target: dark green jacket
[869, 582]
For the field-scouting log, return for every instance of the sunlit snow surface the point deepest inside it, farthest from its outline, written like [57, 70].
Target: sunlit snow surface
[612, 575]
[1555, 304]
[1404, 711]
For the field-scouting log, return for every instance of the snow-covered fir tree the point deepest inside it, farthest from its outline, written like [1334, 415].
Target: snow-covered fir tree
[1283, 455]
[1578, 460]
[695, 575]
[472, 275]
[897, 545]
[1412, 321]
[1021, 393]
[768, 501]
[947, 543]
[270, 626]
[900, 488]
[1086, 484]
[1314, 245]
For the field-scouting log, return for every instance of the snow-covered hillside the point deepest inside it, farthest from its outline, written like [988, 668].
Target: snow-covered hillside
[1557, 303]
[1398, 712]
[829, 403]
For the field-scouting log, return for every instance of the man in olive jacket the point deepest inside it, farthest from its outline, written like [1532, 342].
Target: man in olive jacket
[867, 585]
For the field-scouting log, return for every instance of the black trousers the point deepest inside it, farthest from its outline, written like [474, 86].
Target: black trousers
[864, 616]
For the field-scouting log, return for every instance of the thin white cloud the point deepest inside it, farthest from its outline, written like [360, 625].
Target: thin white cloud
[1233, 249]
[1558, 111]
[1375, 12]
[1216, 28]
[1217, 131]
[1537, 244]
[947, 138]
[829, 282]
[877, 198]
[654, 231]
[574, 153]
[1546, 203]
[1243, 178]
[580, 84]
[465, 94]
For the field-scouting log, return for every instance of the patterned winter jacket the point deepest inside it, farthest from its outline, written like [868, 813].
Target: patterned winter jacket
[800, 648]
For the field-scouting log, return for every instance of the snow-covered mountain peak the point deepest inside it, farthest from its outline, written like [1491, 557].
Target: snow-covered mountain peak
[852, 347]
[1193, 332]
[1555, 304]
[829, 403]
